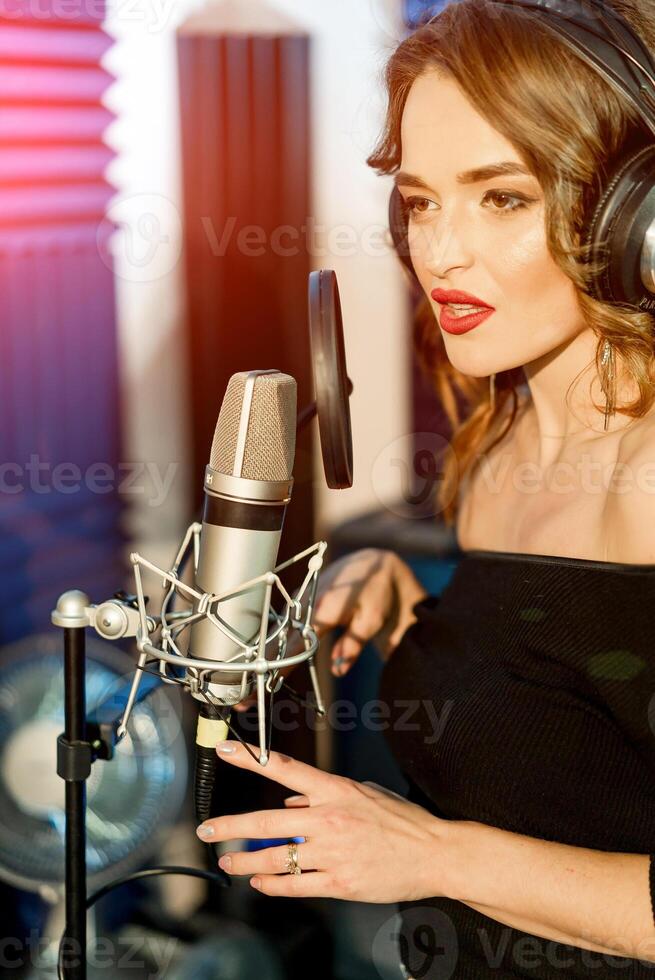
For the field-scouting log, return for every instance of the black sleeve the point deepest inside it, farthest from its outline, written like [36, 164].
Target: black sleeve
[617, 656]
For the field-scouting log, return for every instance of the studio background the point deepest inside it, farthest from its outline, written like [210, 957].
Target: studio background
[108, 399]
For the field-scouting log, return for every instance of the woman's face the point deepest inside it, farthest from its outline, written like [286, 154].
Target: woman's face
[485, 237]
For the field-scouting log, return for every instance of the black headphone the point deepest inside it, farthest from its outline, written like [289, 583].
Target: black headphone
[622, 227]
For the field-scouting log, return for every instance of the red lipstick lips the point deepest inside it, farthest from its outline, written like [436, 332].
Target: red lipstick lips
[457, 296]
[459, 323]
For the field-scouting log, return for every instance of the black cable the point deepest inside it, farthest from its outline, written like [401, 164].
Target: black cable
[203, 782]
[206, 759]
[206, 764]
[218, 877]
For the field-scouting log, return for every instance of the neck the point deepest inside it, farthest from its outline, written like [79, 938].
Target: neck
[561, 385]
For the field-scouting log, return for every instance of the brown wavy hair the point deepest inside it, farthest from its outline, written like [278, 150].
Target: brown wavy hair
[511, 68]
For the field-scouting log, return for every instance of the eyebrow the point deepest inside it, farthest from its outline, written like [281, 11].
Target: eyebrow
[506, 169]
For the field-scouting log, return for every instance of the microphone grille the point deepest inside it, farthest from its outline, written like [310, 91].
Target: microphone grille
[268, 421]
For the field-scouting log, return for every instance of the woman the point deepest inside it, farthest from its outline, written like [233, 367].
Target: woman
[524, 849]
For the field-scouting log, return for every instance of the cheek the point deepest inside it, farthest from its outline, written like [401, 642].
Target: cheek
[522, 263]
[532, 284]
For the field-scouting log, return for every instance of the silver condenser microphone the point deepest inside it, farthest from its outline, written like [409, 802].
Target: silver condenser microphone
[247, 488]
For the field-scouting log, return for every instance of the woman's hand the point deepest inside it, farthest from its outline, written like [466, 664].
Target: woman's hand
[362, 843]
[371, 592]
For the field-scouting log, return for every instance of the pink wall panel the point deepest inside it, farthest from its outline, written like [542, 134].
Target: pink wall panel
[58, 346]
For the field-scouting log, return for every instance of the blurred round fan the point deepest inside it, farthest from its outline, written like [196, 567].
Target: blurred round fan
[129, 798]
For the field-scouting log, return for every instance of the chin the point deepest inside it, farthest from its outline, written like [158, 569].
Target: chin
[471, 368]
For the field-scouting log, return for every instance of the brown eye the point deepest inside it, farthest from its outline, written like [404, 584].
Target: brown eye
[416, 205]
[502, 197]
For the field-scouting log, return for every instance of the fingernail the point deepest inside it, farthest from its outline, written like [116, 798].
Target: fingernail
[205, 830]
[255, 882]
[292, 799]
[225, 862]
[225, 747]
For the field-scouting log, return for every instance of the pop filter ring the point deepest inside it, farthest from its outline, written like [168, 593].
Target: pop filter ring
[331, 382]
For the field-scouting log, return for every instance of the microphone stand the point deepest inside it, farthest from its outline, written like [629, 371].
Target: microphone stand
[74, 758]
[81, 743]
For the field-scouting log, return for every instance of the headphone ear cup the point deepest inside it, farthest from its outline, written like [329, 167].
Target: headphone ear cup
[398, 228]
[619, 231]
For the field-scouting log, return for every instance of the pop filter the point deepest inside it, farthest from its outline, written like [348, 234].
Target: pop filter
[332, 385]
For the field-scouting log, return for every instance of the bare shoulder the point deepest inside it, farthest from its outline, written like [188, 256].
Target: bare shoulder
[630, 506]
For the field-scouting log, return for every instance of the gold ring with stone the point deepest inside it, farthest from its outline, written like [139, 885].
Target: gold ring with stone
[292, 866]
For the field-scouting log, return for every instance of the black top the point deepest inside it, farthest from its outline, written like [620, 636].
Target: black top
[531, 683]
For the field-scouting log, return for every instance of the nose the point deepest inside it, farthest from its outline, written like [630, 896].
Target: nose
[444, 247]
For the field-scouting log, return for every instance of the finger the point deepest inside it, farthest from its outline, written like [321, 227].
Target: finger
[270, 860]
[298, 776]
[243, 705]
[259, 825]
[341, 663]
[348, 647]
[314, 884]
[363, 626]
[383, 789]
[334, 606]
[296, 801]
[367, 621]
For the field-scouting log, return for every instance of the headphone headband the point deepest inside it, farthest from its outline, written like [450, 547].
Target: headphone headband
[607, 42]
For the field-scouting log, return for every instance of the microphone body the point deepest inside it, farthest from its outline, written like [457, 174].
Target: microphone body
[240, 539]
[247, 487]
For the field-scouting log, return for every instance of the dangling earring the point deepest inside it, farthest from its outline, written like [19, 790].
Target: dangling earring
[607, 362]
[492, 390]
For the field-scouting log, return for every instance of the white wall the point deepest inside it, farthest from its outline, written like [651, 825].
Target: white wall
[351, 41]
